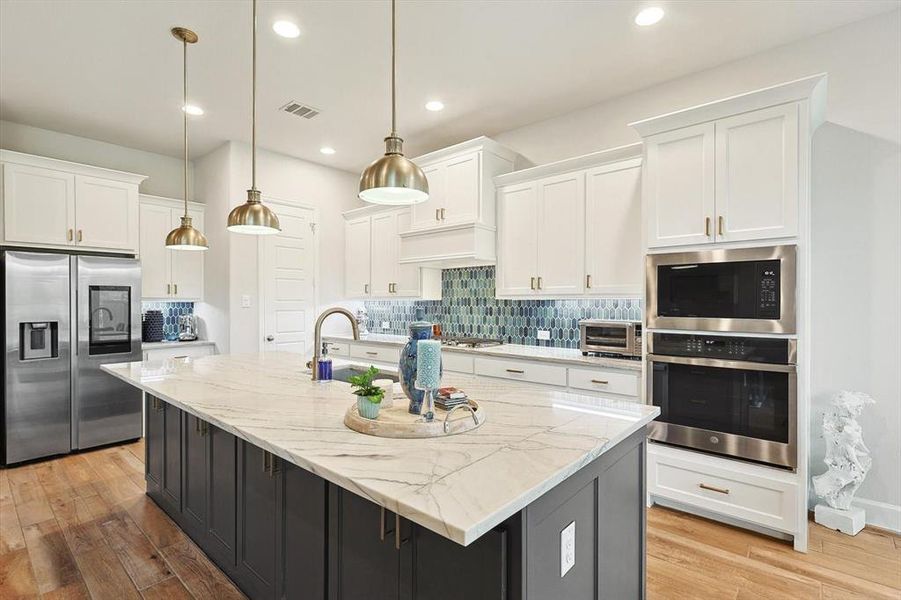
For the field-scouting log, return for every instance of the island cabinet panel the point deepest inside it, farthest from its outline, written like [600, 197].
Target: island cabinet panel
[483, 567]
[153, 446]
[171, 488]
[194, 473]
[259, 532]
[222, 528]
[305, 527]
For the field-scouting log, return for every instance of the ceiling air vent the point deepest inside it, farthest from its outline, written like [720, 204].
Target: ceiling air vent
[299, 109]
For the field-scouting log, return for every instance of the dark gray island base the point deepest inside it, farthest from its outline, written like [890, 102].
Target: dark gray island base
[279, 531]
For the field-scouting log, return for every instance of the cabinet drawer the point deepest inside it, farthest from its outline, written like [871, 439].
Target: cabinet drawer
[521, 370]
[455, 361]
[179, 352]
[612, 382]
[338, 348]
[748, 492]
[374, 352]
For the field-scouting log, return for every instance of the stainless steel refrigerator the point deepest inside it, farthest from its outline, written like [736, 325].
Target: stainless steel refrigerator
[64, 316]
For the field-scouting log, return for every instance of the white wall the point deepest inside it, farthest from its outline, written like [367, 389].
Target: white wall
[164, 173]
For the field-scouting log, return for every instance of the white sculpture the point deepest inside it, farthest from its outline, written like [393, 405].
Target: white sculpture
[847, 456]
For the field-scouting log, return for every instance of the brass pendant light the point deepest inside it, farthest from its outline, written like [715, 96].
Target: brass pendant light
[253, 217]
[393, 179]
[185, 236]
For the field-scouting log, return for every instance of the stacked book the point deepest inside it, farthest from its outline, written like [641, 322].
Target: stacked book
[449, 397]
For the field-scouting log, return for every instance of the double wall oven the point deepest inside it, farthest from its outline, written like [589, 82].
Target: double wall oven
[721, 386]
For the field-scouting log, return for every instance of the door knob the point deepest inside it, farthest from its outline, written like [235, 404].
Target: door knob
[270, 338]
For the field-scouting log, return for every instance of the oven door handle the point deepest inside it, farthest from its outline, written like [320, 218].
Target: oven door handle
[721, 363]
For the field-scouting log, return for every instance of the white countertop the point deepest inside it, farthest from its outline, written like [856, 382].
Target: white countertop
[567, 356]
[174, 344]
[458, 486]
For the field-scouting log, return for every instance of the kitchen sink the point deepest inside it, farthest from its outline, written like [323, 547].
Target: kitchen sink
[344, 373]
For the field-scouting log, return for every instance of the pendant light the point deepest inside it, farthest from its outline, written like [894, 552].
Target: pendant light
[253, 217]
[393, 179]
[185, 236]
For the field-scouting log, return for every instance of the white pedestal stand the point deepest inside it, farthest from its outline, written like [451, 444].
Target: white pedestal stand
[847, 521]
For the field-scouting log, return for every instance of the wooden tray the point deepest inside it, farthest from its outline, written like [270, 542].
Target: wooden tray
[396, 422]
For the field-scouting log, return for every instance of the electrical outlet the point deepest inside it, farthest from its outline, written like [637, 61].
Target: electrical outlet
[245, 301]
[567, 548]
[544, 334]
[386, 325]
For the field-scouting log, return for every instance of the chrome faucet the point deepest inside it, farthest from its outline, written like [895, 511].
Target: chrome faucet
[317, 336]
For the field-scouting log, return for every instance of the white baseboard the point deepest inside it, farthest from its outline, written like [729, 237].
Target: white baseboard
[881, 514]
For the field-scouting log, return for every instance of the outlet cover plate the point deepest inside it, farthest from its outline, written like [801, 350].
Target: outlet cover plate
[567, 548]
[386, 325]
[544, 334]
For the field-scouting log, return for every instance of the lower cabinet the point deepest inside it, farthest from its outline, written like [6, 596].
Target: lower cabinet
[259, 488]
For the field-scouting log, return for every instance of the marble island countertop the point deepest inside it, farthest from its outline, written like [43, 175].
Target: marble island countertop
[566, 356]
[458, 486]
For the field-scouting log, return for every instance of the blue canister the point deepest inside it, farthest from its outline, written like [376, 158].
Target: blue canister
[419, 330]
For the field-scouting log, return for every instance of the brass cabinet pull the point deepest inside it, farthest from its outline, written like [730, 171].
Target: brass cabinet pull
[721, 225]
[69, 235]
[168, 289]
[437, 212]
[365, 288]
[79, 235]
[196, 425]
[539, 282]
[532, 282]
[600, 381]
[175, 289]
[382, 525]
[397, 540]
[519, 371]
[372, 353]
[707, 226]
[711, 488]
[442, 214]
[266, 463]
[204, 428]
[588, 281]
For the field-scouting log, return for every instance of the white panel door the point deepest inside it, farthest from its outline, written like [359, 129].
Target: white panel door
[357, 248]
[679, 186]
[757, 174]
[106, 213]
[517, 240]
[407, 280]
[187, 265]
[38, 205]
[287, 269]
[461, 203]
[156, 276]
[561, 235]
[426, 215]
[613, 255]
[384, 254]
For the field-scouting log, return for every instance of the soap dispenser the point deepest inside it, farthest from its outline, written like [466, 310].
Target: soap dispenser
[324, 368]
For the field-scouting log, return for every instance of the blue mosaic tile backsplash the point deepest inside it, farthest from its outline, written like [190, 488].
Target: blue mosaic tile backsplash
[468, 307]
[171, 312]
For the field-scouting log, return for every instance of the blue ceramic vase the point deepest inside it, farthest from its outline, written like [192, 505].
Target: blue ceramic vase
[419, 330]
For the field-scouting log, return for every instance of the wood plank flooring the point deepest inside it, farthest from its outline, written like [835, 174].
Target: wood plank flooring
[81, 527]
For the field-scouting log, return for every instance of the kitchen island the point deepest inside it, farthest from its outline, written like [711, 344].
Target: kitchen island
[252, 459]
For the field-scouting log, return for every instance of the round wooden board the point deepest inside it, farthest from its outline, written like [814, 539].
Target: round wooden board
[396, 422]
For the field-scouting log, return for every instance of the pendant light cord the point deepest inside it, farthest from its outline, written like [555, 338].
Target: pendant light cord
[184, 108]
[253, 107]
[393, 71]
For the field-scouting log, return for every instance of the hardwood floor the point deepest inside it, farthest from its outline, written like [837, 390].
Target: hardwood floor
[81, 527]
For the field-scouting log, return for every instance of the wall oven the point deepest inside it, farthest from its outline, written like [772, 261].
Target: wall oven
[735, 396]
[735, 290]
[621, 339]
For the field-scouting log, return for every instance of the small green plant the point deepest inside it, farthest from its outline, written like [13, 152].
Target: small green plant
[362, 385]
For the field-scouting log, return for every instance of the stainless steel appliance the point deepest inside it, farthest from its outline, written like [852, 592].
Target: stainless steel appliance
[736, 290]
[63, 317]
[735, 396]
[621, 339]
[187, 328]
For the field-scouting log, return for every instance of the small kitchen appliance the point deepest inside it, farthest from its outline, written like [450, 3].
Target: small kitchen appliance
[618, 339]
[187, 328]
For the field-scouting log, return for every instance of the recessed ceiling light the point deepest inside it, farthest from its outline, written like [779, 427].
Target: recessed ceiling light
[286, 29]
[192, 109]
[649, 16]
[434, 105]
[327, 150]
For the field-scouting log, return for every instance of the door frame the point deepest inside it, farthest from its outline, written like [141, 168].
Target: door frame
[261, 287]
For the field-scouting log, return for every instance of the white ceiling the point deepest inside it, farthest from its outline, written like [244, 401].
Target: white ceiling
[109, 69]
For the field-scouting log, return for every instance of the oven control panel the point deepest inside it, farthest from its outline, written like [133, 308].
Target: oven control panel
[750, 349]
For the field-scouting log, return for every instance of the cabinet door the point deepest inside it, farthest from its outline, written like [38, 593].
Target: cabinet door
[187, 265]
[156, 223]
[757, 174]
[461, 201]
[425, 215]
[363, 561]
[106, 213]
[384, 254]
[357, 247]
[561, 235]
[38, 205]
[222, 497]
[305, 534]
[259, 522]
[484, 562]
[613, 256]
[407, 280]
[153, 445]
[194, 474]
[679, 190]
[171, 480]
[517, 236]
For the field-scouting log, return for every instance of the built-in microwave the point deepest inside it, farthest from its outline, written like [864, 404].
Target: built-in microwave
[736, 290]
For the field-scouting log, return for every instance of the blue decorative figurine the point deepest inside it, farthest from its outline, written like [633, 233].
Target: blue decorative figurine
[419, 330]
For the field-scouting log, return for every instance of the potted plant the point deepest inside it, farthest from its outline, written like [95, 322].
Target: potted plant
[369, 397]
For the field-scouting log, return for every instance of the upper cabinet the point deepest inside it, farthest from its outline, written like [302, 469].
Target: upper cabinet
[175, 275]
[372, 266]
[731, 171]
[456, 226]
[571, 228]
[49, 203]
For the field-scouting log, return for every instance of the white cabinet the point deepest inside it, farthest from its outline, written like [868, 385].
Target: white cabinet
[427, 215]
[372, 266]
[731, 179]
[454, 192]
[49, 203]
[571, 233]
[168, 274]
[159, 352]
